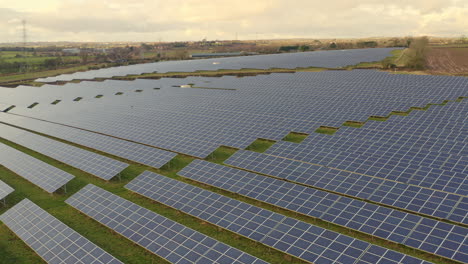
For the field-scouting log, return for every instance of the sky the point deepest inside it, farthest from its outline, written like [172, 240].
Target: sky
[186, 20]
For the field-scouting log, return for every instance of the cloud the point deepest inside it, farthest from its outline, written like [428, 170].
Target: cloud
[149, 20]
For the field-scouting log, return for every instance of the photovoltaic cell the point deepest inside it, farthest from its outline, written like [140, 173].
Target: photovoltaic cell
[98, 165]
[47, 177]
[161, 236]
[300, 239]
[330, 59]
[439, 238]
[5, 190]
[51, 239]
[128, 150]
[399, 195]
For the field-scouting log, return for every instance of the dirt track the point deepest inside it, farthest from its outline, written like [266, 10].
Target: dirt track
[448, 60]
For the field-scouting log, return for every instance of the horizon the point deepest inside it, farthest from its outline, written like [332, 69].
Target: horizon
[194, 20]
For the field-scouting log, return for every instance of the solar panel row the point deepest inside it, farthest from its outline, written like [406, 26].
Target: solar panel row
[387, 152]
[51, 239]
[331, 59]
[128, 150]
[5, 190]
[300, 239]
[399, 195]
[45, 176]
[433, 236]
[98, 165]
[159, 235]
[197, 121]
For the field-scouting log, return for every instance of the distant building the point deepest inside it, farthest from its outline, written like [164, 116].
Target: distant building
[71, 51]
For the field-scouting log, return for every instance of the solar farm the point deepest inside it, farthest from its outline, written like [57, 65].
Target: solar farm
[334, 166]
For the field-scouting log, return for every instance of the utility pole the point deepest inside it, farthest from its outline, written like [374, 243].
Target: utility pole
[24, 67]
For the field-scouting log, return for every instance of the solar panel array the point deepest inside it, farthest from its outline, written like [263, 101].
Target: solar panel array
[403, 180]
[300, 239]
[98, 165]
[25, 95]
[395, 150]
[411, 230]
[128, 150]
[399, 195]
[51, 239]
[327, 59]
[197, 121]
[5, 190]
[159, 235]
[45, 176]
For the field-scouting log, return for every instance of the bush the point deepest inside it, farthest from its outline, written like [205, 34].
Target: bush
[288, 48]
[388, 64]
[417, 54]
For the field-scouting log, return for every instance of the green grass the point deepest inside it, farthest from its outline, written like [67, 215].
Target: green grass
[326, 130]
[295, 137]
[400, 113]
[13, 250]
[355, 124]
[378, 118]
[17, 252]
[125, 250]
[260, 145]
[41, 74]
[221, 154]
[397, 58]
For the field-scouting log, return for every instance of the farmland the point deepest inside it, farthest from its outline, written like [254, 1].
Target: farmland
[448, 60]
[307, 158]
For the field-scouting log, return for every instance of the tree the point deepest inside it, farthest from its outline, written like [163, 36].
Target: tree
[332, 45]
[417, 53]
[304, 48]
[409, 40]
[51, 63]
[367, 44]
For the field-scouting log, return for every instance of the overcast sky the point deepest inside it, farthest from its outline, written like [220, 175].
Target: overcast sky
[175, 20]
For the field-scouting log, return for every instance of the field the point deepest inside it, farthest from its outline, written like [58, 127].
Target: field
[30, 57]
[304, 165]
[448, 60]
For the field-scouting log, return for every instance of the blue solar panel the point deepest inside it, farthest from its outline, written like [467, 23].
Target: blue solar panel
[300, 239]
[98, 165]
[372, 219]
[5, 190]
[398, 195]
[330, 59]
[128, 150]
[159, 235]
[45, 176]
[52, 240]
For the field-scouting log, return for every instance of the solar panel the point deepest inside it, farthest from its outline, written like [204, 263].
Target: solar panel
[197, 121]
[439, 238]
[159, 235]
[300, 239]
[398, 195]
[132, 151]
[330, 59]
[98, 165]
[51, 239]
[47, 177]
[5, 190]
